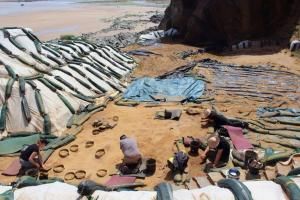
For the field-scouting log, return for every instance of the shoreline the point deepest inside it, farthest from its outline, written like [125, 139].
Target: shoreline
[78, 19]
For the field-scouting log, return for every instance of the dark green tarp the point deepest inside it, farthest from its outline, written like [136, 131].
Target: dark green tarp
[13, 145]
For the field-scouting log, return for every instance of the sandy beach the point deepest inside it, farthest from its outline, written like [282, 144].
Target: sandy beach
[49, 20]
[155, 137]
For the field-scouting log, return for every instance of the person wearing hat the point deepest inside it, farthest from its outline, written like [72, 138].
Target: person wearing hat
[219, 120]
[217, 151]
[132, 156]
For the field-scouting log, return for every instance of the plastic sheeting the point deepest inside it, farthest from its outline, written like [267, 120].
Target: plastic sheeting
[14, 145]
[279, 111]
[69, 75]
[260, 190]
[4, 188]
[53, 191]
[206, 193]
[125, 195]
[297, 180]
[286, 115]
[147, 89]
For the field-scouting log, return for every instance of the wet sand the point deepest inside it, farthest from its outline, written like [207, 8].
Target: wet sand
[54, 21]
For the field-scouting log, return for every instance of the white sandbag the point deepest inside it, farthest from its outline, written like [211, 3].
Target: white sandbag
[23, 40]
[66, 55]
[125, 195]
[67, 49]
[73, 82]
[45, 59]
[78, 50]
[117, 57]
[53, 191]
[95, 78]
[15, 120]
[206, 193]
[3, 72]
[4, 188]
[263, 190]
[109, 58]
[123, 55]
[85, 48]
[106, 63]
[58, 112]
[17, 66]
[77, 75]
[48, 53]
[15, 51]
[297, 180]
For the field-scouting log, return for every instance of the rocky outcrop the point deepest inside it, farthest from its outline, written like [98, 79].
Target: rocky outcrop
[229, 21]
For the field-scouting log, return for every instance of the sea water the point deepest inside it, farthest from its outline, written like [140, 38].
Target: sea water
[10, 7]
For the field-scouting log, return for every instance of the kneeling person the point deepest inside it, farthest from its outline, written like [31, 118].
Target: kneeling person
[217, 151]
[132, 156]
[30, 157]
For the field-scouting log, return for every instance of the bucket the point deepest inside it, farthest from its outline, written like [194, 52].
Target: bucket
[234, 173]
[194, 147]
[250, 155]
[150, 166]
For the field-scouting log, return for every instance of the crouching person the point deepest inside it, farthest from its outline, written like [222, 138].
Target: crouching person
[30, 157]
[132, 156]
[178, 165]
[217, 152]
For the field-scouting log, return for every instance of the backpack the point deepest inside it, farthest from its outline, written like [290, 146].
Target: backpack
[180, 161]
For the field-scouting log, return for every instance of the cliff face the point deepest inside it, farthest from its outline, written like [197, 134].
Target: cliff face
[229, 21]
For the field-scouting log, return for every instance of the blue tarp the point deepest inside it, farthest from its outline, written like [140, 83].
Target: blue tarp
[175, 89]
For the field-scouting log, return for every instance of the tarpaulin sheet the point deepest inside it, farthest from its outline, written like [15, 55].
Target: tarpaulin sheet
[13, 145]
[279, 111]
[237, 138]
[284, 115]
[147, 89]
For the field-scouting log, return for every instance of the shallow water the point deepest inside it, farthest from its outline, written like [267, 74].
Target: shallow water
[14, 7]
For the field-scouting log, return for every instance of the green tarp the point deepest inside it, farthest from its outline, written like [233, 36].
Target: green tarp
[13, 145]
[8, 195]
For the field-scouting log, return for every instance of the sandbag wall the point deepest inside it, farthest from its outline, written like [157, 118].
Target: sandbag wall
[44, 87]
[256, 190]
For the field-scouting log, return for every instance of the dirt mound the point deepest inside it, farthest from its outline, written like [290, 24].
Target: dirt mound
[229, 21]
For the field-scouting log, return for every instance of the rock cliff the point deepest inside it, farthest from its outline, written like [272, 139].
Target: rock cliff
[226, 22]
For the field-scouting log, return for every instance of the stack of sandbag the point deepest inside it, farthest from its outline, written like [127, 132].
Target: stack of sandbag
[46, 86]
